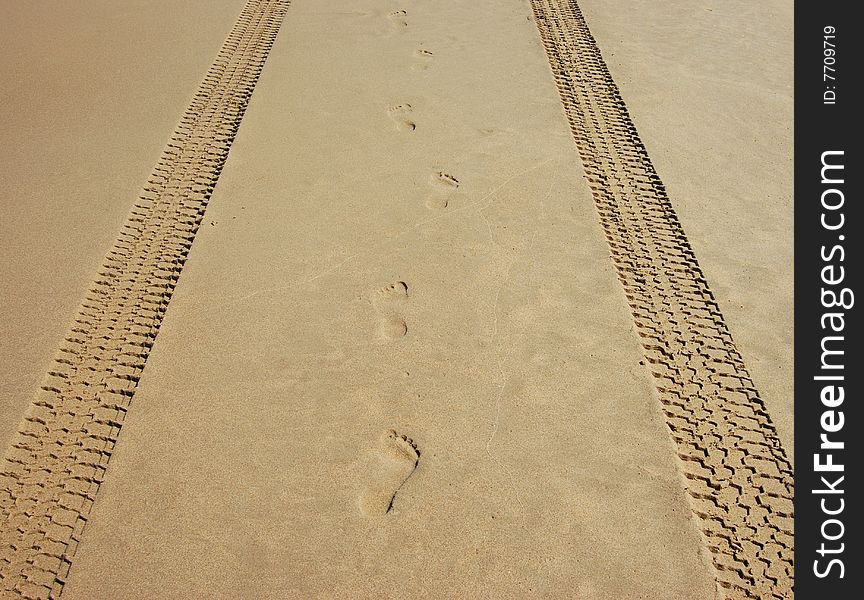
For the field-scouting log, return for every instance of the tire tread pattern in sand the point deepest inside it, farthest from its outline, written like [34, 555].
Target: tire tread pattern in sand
[58, 458]
[737, 476]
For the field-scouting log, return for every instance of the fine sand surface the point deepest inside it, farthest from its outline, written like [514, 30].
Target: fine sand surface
[398, 360]
[331, 297]
[90, 91]
[709, 86]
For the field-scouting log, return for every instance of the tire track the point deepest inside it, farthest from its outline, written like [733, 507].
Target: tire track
[737, 476]
[57, 460]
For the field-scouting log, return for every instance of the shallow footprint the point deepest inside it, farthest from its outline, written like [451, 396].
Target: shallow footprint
[444, 180]
[437, 202]
[392, 296]
[400, 114]
[391, 464]
[444, 184]
[393, 327]
[389, 302]
[397, 18]
[425, 56]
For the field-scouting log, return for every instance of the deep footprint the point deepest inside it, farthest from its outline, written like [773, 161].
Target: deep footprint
[391, 464]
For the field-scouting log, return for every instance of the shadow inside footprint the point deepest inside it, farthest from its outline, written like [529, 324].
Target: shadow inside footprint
[426, 58]
[389, 302]
[393, 295]
[397, 18]
[437, 202]
[445, 180]
[391, 464]
[444, 185]
[400, 113]
[393, 327]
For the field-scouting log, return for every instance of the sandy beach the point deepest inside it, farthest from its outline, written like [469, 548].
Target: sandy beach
[405, 299]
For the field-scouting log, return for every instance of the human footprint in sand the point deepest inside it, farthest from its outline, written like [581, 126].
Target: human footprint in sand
[391, 464]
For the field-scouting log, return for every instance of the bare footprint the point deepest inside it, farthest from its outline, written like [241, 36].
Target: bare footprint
[437, 202]
[392, 327]
[444, 180]
[444, 184]
[425, 57]
[400, 113]
[391, 464]
[397, 18]
[393, 296]
[389, 302]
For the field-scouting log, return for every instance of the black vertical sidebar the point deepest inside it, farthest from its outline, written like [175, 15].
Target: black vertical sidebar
[828, 332]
